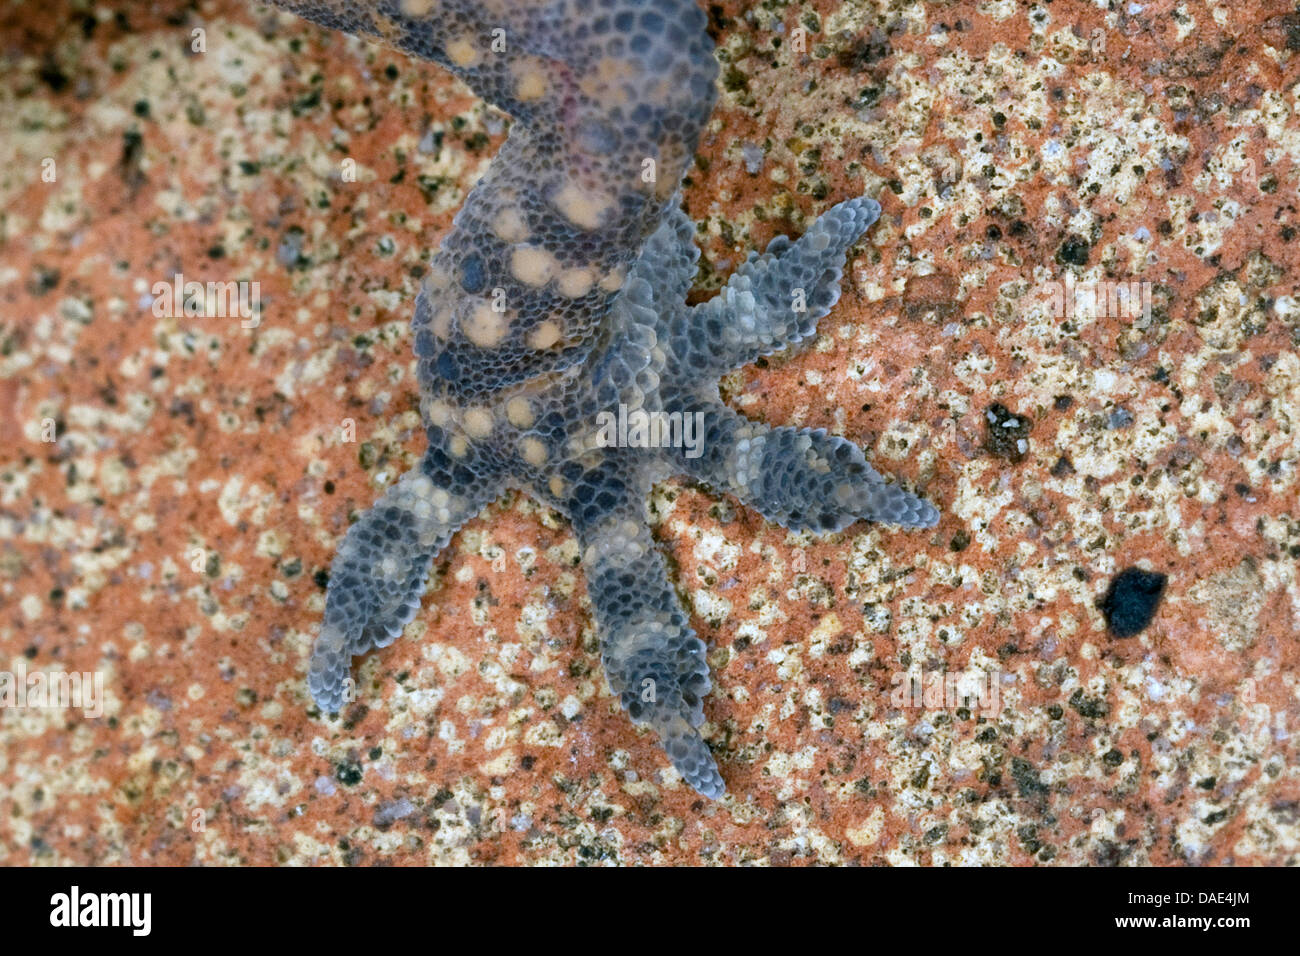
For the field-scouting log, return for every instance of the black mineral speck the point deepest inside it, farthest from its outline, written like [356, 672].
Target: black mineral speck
[1074, 251]
[1094, 708]
[43, 280]
[864, 52]
[1026, 777]
[1006, 434]
[53, 76]
[348, 773]
[1131, 601]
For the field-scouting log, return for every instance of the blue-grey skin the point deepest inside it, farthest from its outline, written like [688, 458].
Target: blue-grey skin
[595, 318]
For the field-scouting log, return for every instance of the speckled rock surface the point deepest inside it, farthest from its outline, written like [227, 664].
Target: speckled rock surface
[174, 535]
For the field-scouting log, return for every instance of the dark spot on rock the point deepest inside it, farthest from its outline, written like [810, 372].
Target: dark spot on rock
[869, 96]
[937, 833]
[53, 77]
[352, 856]
[1026, 777]
[719, 22]
[1028, 835]
[863, 52]
[1006, 434]
[1062, 467]
[42, 280]
[1130, 602]
[348, 773]
[1093, 708]
[1109, 853]
[1074, 251]
[734, 80]
[306, 103]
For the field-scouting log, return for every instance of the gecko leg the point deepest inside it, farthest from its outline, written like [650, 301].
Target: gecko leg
[799, 478]
[382, 568]
[653, 660]
[774, 300]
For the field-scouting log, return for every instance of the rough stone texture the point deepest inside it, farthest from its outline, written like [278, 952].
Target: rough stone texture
[173, 536]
